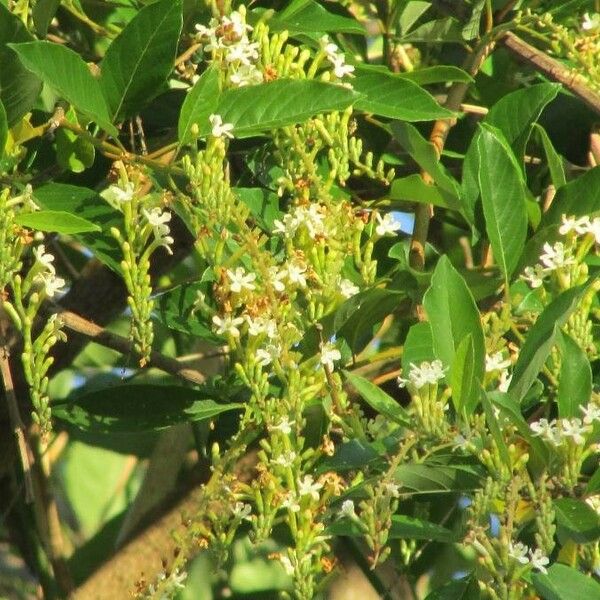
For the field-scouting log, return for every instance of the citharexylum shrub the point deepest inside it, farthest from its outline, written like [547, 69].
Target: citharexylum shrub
[417, 392]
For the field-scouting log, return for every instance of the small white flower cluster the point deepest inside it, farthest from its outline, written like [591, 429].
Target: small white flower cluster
[220, 129]
[557, 255]
[525, 555]
[241, 511]
[293, 271]
[497, 362]
[329, 355]
[312, 217]
[427, 373]
[336, 58]
[240, 280]
[158, 219]
[307, 486]
[47, 277]
[556, 431]
[116, 194]
[230, 35]
[590, 24]
[386, 225]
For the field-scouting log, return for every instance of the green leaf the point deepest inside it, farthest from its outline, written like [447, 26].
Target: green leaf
[443, 30]
[257, 108]
[503, 196]
[471, 29]
[134, 408]
[43, 12]
[200, 102]
[402, 527]
[86, 204]
[19, 88]
[427, 479]
[64, 70]
[73, 152]
[418, 346]
[175, 310]
[565, 583]
[461, 589]
[516, 113]
[3, 129]
[453, 315]
[424, 154]
[395, 97]
[413, 188]
[593, 485]
[378, 399]
[411, 14]
[462, 378]
[140, 59]
[494, 427]
[575, 383]
[577, 520]
[437, 74]
[555, 162]
[55, 220]
[308, 16]
[263, 205]
[578, 198]
[353, 454]
[540, 340]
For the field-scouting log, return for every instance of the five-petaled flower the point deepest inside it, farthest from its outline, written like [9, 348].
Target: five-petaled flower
[220, 129]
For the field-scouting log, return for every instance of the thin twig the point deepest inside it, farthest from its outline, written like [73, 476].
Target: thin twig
[121, 344]
[16, 422]
[554, 69]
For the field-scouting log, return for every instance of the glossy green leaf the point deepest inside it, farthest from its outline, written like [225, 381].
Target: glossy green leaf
[395, 97]
[437, 74]
[200, 102]
[86, 204]
[411, 13]
[3, 129]
[470, 30]
[577, 198]
[463, 379]
[257, 108]
[19, 87]
[447, 29]
[308, 16]
[453, 315]
[263, 205]
[418, 346]
[577, 520]
[413, 188]
[43, 12]
[540, 340]
[575, 382]
[424, 154]
[460, 589]
[565, 583]
[64, 70]
[376, 398]
[134, 408]
[403, 527]
[140, 59]
[425, 479]
[555, 161]
[593, 485]
[73, 152]
[353, 454]
[503, 197]
[55, 220]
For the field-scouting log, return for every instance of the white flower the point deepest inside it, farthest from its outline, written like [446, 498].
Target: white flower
[329, 354]
[290, 502]
[391, 488]
[259, 325]
[341, 68]
[591, 413]
[235, 22]
[546, 430]
[534, 276]
[220, 129]
[518, 551]
[265, 356]
[539, 560]
[590, 23]
[386, 225]
[44, 258]
[240, 280]
[348, 289]
[287, 565]
[52, 284]
[574, 429]
[504, 382]
[120, 194]
[296, 273]
[347, 509]
[285, 426]
[309, 487]
[286, 459]
[244, 52]
[593, 227]
[246, 75]
[579, 226]
[426, 373]
[241, 511]
[159, 219]
[228, 325]
[555, 257]
[496, 362]
[287, 226]
[329, 48]
[277, 276]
